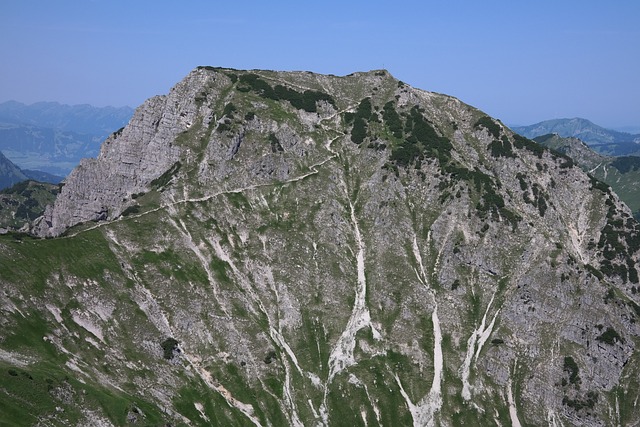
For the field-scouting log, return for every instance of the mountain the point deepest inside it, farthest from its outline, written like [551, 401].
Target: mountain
[605, 141]
[42, 176]
[45, 149]
[84, 119]
[621, 173]
[9, 172]
[289, 248]
[51, 137]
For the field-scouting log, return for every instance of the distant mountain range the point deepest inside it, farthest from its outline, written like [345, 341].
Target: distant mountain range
[51, 137]
[604, 141]
[622, 173]
[86, 119]
[11, 174]
[24, 194]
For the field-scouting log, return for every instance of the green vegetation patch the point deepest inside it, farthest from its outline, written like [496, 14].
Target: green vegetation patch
[619, 239]
[169, 347]
[276, 147]
[596, 184]
[527, 144]
[501, 147]
[306, 100]
[488, 123]
[540, 198]
[392, 119]
[378, 372]
[24, 202]
[610, 336]
[591, 269]
[626, 163]
[579, 403]
[229, 109]
[164, 179]
[221, 270]
[360, 120]
[571, 368]
[422, 141]
[492, 204]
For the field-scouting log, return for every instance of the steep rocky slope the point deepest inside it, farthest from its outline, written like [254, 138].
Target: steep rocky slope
[271, 248]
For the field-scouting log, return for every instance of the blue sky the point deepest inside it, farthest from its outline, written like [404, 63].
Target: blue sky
[521, 62]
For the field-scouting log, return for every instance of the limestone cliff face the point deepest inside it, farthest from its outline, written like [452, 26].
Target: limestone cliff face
[278, 248]
[99, 189]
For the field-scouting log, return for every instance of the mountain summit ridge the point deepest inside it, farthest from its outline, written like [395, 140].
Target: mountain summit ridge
[288, 248]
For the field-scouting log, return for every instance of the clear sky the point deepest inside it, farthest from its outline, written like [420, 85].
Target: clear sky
[519, 61]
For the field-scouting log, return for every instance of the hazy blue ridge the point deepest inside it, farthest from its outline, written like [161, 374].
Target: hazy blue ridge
[51, 137]
[85, 118]
[605, 141]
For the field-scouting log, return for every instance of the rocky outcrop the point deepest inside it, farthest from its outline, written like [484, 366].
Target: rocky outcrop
[100, 189]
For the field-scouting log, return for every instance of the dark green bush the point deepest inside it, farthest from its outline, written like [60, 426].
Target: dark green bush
[229, 109]
[578, 404]
[168, 347]
[348, 117]
[488, 123]
[522, 181]
[626, 163]
[392, 119]
[118, 132]
[633, 305]
[166, 177]
[422, 141]
[364, 109]
[359, 131]
[610, 336]
[270, 357]
[304, 101]
[501, 147]
[591, 269]
[253, 82]
[571, 368]
[275, 143]
[527, 144]
[599, 185]
[131, 210]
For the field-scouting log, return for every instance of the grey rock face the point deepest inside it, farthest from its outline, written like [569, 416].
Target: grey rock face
[100, 189]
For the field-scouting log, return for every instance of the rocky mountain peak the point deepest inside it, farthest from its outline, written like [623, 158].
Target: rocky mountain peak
[130, 159]
[287, 248]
